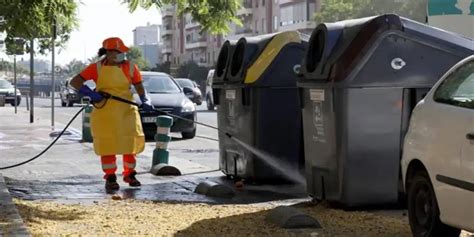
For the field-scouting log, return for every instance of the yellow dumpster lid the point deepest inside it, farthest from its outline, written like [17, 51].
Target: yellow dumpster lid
[270, 52]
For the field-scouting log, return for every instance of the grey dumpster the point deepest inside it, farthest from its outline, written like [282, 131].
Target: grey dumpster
[258, 102]
[362, 78]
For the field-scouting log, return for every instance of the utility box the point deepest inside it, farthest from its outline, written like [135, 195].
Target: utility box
[258, 102]
[362, 78]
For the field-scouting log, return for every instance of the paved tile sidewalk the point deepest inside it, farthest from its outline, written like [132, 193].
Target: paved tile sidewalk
[71, 170]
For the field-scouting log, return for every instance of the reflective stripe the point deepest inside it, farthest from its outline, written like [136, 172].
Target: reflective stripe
[129, 165]
[109, 166]
[163, 130]
[162, 145]
[87, 125]
[99, 64]
[87, 115]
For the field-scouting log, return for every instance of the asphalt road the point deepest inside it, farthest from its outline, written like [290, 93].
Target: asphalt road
[203, 149]
[64, 114]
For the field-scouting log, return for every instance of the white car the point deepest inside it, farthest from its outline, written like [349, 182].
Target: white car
[208, 97]
[438, 156]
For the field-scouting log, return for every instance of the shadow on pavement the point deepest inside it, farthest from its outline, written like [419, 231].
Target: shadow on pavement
[31, 214]
[243, 221]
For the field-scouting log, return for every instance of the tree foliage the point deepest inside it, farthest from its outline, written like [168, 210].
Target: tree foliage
[135, 55]
[8, 66]
[162, 67]
[213, 15]
[33, 19]
[192, 71]
[337, 10]
[74, 67]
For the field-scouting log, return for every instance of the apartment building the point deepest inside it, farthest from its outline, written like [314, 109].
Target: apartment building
[270, 16]
[148, 39]
[183, 40]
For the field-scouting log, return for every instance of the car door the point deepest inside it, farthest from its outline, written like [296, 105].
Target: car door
[453, 156]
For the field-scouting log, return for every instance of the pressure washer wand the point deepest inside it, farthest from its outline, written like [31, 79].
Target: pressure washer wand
[109, 96]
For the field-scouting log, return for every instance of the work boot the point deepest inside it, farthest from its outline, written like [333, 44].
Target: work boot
[132, 180]
[111, 183]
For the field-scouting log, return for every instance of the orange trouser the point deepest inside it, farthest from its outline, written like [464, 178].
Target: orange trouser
[109, 165]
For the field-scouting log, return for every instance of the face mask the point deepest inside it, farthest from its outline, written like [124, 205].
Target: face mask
[120, 58]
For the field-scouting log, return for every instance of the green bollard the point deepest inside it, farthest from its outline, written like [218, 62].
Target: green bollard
[86, 124]
[160, 154]
[162, 138]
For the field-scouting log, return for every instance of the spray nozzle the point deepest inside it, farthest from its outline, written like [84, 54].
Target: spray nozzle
[228, 134]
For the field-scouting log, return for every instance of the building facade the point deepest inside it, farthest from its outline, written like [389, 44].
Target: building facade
[183, 40]
[148, 39]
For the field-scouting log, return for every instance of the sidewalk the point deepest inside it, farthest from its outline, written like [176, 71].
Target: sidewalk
[10, 221]
[66, 184]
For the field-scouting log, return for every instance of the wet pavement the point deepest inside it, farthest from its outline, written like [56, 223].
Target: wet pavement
[70, 171]
[181, 189]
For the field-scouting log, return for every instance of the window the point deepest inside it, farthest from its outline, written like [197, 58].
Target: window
[263, 3]
[256, 26]
[157, 83]
[256, 4]
[263, 26]
[458, 88]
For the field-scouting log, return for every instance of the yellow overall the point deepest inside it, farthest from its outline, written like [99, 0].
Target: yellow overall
[116, 128]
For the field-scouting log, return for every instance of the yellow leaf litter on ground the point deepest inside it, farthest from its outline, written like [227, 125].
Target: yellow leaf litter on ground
[128, 217]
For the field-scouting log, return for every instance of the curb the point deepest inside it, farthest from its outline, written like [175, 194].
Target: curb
[14, 225]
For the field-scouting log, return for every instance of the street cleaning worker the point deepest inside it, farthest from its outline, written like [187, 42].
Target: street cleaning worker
[116, 127]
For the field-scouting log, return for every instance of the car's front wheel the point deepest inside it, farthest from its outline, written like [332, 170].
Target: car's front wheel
[423, 211]
[17, 103]
[189, 135]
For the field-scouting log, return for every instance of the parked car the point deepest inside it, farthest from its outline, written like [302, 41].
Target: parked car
[209, 96]
[70, 96]
[438, 156]
[195, 94]
[168, 96]
[7, 90]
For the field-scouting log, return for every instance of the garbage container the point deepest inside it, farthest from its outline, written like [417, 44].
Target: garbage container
[221, 73]
[362, 78]
[258, 102]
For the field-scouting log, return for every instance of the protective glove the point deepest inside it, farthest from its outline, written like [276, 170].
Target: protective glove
[86, 91]
[146, 103]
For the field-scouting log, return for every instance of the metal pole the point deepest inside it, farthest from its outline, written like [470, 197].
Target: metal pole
[27, 99]
[52, 73]
[14, 81]
[32, 84]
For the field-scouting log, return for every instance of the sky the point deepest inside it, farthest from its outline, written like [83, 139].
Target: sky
[100, 19]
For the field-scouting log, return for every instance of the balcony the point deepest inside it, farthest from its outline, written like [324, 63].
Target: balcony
[166, 50]
[167, 31]
[168, 11]
[244, 11]
[202, 43]
[191, 25]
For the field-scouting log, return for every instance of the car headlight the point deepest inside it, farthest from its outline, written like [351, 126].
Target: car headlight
[188, 107]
